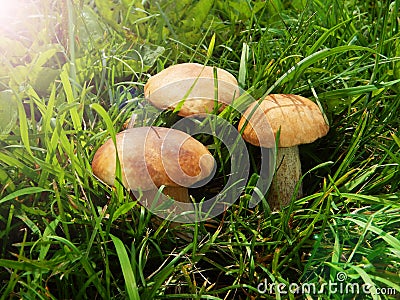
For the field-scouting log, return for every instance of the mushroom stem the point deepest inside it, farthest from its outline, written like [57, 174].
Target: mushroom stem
[180, 194]
[287, 174]
[177, 193]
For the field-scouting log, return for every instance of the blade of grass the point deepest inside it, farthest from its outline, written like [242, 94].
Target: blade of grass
[22, 192]
[311, 59]
[243, 65]
[71, 98]
[391, 240]
[130, 281]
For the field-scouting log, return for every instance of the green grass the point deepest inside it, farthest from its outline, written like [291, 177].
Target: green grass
[65, 235]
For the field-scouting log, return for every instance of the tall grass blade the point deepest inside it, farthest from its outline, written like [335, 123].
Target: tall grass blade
[22, 192]
[306, 62]
[126, 267]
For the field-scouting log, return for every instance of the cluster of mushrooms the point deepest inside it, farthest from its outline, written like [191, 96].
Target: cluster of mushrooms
[151, 157]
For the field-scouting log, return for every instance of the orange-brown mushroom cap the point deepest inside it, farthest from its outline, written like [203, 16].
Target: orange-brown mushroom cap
[194, 84]
[299, 120]
[153, 156]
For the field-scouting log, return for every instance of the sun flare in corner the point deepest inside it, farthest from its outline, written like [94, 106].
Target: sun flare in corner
[14, 11]
[8, 9]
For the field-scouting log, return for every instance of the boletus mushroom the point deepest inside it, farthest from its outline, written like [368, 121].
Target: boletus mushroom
[154, 156]
[194, 85]
[298, 121]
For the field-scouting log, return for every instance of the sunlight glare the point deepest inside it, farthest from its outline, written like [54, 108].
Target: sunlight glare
[11, 11]
[7, 9]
